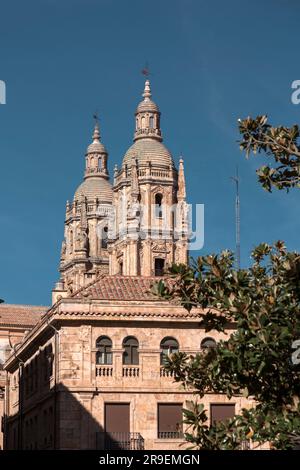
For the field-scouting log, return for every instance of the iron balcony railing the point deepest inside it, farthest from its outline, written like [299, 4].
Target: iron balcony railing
[170, 435]
[120, 441]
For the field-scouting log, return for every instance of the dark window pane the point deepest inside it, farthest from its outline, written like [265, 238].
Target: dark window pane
[159, 265]
[134, 355]
[130, 354]
[208, 343]
[104, 354]
[126, 356]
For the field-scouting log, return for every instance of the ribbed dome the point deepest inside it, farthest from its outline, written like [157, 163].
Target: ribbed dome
[152, 150]
[147, 105]
[96, 147]
[93, 188]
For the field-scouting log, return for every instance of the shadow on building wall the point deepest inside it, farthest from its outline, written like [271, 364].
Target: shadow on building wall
[55, 418]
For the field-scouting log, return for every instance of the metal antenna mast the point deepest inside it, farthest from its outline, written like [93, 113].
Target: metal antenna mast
[236, 179]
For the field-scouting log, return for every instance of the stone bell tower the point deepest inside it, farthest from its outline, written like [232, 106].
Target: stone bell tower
[84, 253]
[149, 199]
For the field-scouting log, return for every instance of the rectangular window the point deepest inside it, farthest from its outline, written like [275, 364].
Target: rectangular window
[221, 412]
[169, 420]
[159, 265]
[117, 418]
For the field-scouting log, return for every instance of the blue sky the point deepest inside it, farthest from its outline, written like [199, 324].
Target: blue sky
[212, 62]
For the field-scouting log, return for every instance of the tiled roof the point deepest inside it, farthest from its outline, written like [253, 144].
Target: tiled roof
[119, 288]
[20, 315]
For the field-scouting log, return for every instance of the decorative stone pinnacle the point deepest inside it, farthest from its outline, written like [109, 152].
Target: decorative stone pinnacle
[96, 134]
[147, 90]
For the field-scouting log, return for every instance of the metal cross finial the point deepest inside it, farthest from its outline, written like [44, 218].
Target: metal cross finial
[96, 117]
[146, 71]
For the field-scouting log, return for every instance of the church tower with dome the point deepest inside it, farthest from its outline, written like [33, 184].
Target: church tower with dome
[138, 226]
[149, 201]
[84, 254]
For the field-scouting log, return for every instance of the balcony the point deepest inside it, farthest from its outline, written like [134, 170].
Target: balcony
[170, 435]
[166, 373]
[131, 371]
[104, 371]
[119, 441]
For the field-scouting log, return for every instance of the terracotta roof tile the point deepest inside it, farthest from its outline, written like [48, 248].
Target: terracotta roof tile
[20, 315]
[119, 288]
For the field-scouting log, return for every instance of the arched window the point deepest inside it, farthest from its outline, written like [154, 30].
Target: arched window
[104, 237]
[158, 205]
[143, 121]
[130, 354]
[151, 122]
[168, 346]
[103, 354]
[208, 343]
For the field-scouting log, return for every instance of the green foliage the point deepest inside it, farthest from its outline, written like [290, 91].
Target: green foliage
[278, 143]
[263, 304]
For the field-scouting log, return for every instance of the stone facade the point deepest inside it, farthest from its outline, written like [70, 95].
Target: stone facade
[63, 390]
[15, 320]
[89, 374]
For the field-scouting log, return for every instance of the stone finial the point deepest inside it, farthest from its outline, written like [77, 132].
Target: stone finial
[181, 194]
[134, 177]
[96, 133]
[115, 173]
[147, 90]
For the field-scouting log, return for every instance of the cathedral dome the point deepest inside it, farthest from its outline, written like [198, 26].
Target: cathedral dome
[95, 188]
[148, 149]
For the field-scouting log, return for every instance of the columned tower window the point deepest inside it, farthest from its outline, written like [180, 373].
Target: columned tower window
[158, 205]
[104, 237]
